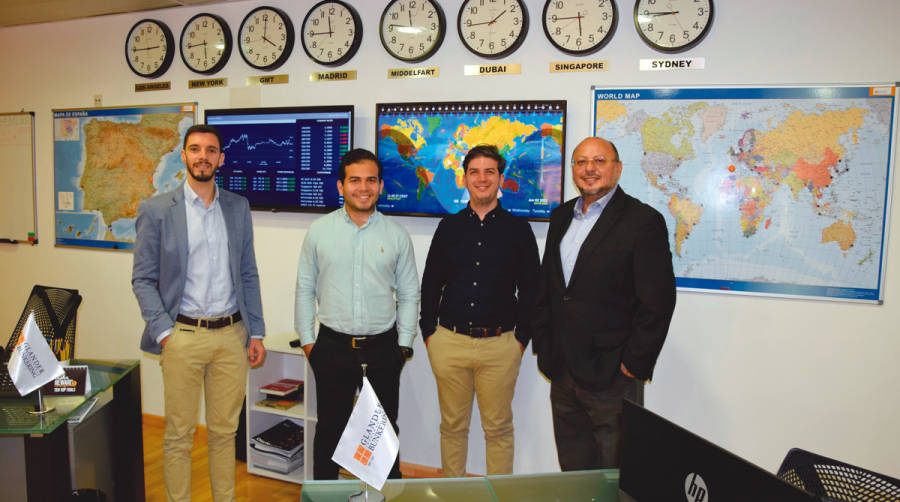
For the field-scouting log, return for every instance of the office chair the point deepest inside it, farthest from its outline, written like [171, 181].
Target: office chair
[836, 481]
[55, 312]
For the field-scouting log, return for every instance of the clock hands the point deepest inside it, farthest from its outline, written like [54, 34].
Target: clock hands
[329, 32]
[135, 49]
[492, 21]
[191, 46]
[667, 13]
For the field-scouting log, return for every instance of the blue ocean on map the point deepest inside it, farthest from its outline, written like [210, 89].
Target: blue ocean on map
[533, 176]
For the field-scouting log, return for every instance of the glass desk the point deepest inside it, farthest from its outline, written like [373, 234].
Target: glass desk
[579, 486]
[45, 438]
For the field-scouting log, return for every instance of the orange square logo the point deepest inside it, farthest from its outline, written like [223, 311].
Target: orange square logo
[362, 455]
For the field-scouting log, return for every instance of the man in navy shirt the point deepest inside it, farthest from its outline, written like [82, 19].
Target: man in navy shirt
[478, 288]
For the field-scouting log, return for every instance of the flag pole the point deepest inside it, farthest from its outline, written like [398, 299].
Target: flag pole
[363, 495]
[39, 408]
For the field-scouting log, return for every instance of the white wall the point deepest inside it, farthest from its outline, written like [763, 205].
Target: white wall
[755, 375]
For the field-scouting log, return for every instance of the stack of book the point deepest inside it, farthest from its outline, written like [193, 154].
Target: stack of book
[278, 448]
[283, 394]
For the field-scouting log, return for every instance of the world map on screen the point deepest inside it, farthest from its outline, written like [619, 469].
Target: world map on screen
[422, 147]
[108, 160]
[770, 190]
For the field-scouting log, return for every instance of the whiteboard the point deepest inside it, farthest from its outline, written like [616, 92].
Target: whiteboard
[18, 213]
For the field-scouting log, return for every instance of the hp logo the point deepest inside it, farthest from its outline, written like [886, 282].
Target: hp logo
[695, 488]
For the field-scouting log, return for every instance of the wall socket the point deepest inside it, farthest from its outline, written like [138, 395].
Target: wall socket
[98, 100]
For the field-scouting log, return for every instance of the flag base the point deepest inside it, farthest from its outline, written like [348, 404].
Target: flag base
[42, 410]
[366, 496]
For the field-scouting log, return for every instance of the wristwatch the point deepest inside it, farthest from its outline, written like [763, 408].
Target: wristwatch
[406, 351]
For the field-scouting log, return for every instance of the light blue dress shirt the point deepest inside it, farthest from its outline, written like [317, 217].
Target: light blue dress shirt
[578, 230]
[208, 287]
[364, 278]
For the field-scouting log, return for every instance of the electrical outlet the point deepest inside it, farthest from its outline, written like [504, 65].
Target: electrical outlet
[98, 100]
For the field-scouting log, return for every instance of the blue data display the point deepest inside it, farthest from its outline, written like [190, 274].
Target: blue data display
[284, 158]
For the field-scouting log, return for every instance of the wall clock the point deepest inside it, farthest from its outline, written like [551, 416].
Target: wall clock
[412, 30]
[332, 32]
[149, 48]
[492, 29]
[673, 25]
[266, 38]
[580, 27]
[206, 43]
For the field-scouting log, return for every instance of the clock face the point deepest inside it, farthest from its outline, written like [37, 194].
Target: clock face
[580, 27]
[673, 25]
[332, 32]
[206, 43]
[412, 30]
[492, 28]
[266, 38]
[149, 48]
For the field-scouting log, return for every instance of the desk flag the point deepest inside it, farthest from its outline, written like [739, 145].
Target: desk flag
[32, 363]
[369, 445]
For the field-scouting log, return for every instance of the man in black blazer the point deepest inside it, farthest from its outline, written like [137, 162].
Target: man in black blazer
[606, 298]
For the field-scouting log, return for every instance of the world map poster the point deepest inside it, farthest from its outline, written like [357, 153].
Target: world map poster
[422, 147]
[106, 161]
[779, 191]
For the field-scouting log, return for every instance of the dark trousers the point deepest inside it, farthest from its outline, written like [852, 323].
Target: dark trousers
[587, 423]
[336, 365]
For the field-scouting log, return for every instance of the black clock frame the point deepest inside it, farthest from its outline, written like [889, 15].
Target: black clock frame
[442, 25]
[506, 52]
[357, 34]
[170, 48]
[584, 52]
[288, 44]
[226, 53]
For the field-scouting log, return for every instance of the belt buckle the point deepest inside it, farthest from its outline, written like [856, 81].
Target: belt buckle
[203, 323]
[477, 332]
[353, 341]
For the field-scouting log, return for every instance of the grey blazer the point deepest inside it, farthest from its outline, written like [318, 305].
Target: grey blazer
[160, 262]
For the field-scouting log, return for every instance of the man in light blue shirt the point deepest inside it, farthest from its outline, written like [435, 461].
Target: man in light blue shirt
[360, 268]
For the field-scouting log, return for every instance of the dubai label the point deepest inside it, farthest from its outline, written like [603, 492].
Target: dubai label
[492, 69]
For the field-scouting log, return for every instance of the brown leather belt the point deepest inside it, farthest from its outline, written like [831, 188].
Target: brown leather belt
[359, 341]
[475, 332]
[210, 323]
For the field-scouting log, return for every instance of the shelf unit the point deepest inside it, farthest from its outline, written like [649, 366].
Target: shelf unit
[282, 361]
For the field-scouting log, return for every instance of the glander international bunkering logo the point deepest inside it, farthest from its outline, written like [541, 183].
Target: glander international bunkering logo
[374, 430]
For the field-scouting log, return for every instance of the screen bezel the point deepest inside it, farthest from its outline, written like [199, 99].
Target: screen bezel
[563, 165]
[286, 110]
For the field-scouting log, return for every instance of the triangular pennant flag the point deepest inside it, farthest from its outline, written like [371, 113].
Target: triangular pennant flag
[369, 445]
[32, 363]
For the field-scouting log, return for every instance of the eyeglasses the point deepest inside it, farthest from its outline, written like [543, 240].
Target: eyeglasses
[599, 162]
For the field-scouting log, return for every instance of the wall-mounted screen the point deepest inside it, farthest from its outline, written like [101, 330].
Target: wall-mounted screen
[284, 158]
[422, 147]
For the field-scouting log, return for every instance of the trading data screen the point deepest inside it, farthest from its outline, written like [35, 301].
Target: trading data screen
[284, 158]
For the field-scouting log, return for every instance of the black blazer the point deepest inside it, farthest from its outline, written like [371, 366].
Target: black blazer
[619, 301]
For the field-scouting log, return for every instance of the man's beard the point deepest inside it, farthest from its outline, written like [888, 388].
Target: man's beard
[202, 178]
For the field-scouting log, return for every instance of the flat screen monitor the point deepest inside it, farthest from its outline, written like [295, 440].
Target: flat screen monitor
[284, 158]
[662, 462]
[422, 147]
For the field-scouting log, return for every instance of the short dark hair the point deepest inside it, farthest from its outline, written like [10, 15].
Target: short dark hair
[354, 156]
[489, 151]
[204, 128]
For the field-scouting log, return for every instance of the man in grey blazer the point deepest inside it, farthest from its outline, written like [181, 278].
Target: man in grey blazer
[196, 282]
